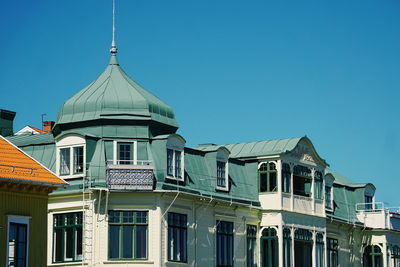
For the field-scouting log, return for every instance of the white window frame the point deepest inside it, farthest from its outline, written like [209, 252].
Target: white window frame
[20, 220]
[177, 144]
[115, 151]
[175, 150]
[222, 156]
[70, 141]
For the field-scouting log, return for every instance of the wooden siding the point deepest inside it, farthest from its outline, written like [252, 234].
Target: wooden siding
[34, 205]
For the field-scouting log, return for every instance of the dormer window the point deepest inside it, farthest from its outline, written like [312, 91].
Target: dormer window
[221, 173]
[71, 160]
[369, 197]
[175, 158]
[174, 164]
[70, 156]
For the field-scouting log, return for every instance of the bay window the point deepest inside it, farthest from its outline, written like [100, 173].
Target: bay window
[71, 160]
[302, 181]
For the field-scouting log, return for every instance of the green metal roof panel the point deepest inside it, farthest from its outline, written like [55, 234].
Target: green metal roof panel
[31, 139]
[342, 180]
[115, 95]
[262, 148]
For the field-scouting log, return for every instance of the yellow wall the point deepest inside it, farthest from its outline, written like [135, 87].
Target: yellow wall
[30, 203]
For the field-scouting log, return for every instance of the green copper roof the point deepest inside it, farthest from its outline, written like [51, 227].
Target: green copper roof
[114, 95]
[342, 180]
[262, 148]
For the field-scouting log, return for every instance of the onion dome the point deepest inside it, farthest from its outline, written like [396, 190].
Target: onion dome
[114, 95]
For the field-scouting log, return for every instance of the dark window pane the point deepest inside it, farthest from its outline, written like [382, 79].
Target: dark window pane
[69, 254]
[78, 160]
[58, 240]
[65, 161]
[141, 242]
[127, 237]
[113, 245]
[170, 160]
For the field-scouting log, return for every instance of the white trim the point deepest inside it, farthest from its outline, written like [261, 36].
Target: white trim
[21, 220]
[115, 150]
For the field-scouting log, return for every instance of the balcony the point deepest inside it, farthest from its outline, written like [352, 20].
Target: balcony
[130, 175]
[376, 215]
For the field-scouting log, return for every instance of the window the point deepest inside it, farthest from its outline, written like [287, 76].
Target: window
[267, 177]
[319, 252]
[395, 250]
[328, 197]
[332, 250]
[221, 174]
[67, 237]
[127, 236]
[303, 246]
[269, 248]
[368, 202]
[251, 246]
[318, 182]
[224, 244]
[17, 242]
[302, 181]
[71, 160]
[287, 247]
[174, 164]
[372, 256]
[177, 237]
[286, 177]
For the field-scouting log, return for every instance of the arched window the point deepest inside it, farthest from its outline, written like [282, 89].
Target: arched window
[287, 247]
[267, 177]
[372, 256]
[269, 248]
[286, 175]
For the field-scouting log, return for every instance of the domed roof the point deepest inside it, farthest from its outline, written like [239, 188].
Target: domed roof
[114, 95]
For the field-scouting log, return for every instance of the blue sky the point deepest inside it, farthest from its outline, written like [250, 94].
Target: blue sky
[233, 71]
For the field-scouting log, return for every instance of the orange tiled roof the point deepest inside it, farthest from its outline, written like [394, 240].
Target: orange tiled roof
[37, 130]
[15, 164]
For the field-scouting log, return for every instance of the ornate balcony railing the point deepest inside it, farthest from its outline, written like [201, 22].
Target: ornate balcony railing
[138, 176]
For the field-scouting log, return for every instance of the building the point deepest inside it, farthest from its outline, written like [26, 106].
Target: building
[24, 188]
[139, 197]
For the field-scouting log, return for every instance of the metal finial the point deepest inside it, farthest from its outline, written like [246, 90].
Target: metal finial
[113, 49]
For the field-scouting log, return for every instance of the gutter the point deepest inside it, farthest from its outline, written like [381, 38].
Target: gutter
[23, 181]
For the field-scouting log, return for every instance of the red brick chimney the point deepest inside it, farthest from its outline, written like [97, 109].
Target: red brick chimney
[48, 125]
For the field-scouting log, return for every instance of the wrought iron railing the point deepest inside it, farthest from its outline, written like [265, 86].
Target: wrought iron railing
[136, 176]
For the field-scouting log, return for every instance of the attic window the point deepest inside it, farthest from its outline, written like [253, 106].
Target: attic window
[221, 174]
[175, 158]
[222, 170]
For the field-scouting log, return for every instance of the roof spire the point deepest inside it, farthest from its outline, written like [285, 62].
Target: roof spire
[113, 49]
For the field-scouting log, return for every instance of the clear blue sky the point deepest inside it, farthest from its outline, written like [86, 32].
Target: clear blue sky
[233, 71]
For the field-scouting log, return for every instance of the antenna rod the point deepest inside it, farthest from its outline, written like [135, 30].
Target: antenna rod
[113, 49]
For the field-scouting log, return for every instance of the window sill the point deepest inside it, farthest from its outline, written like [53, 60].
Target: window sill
[74, 176]
[175, 178]
[128, 262]
[68, 263]
[176, 263]
[224, 189]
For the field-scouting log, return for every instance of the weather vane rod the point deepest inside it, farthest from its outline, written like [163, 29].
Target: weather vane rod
[113, 49]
